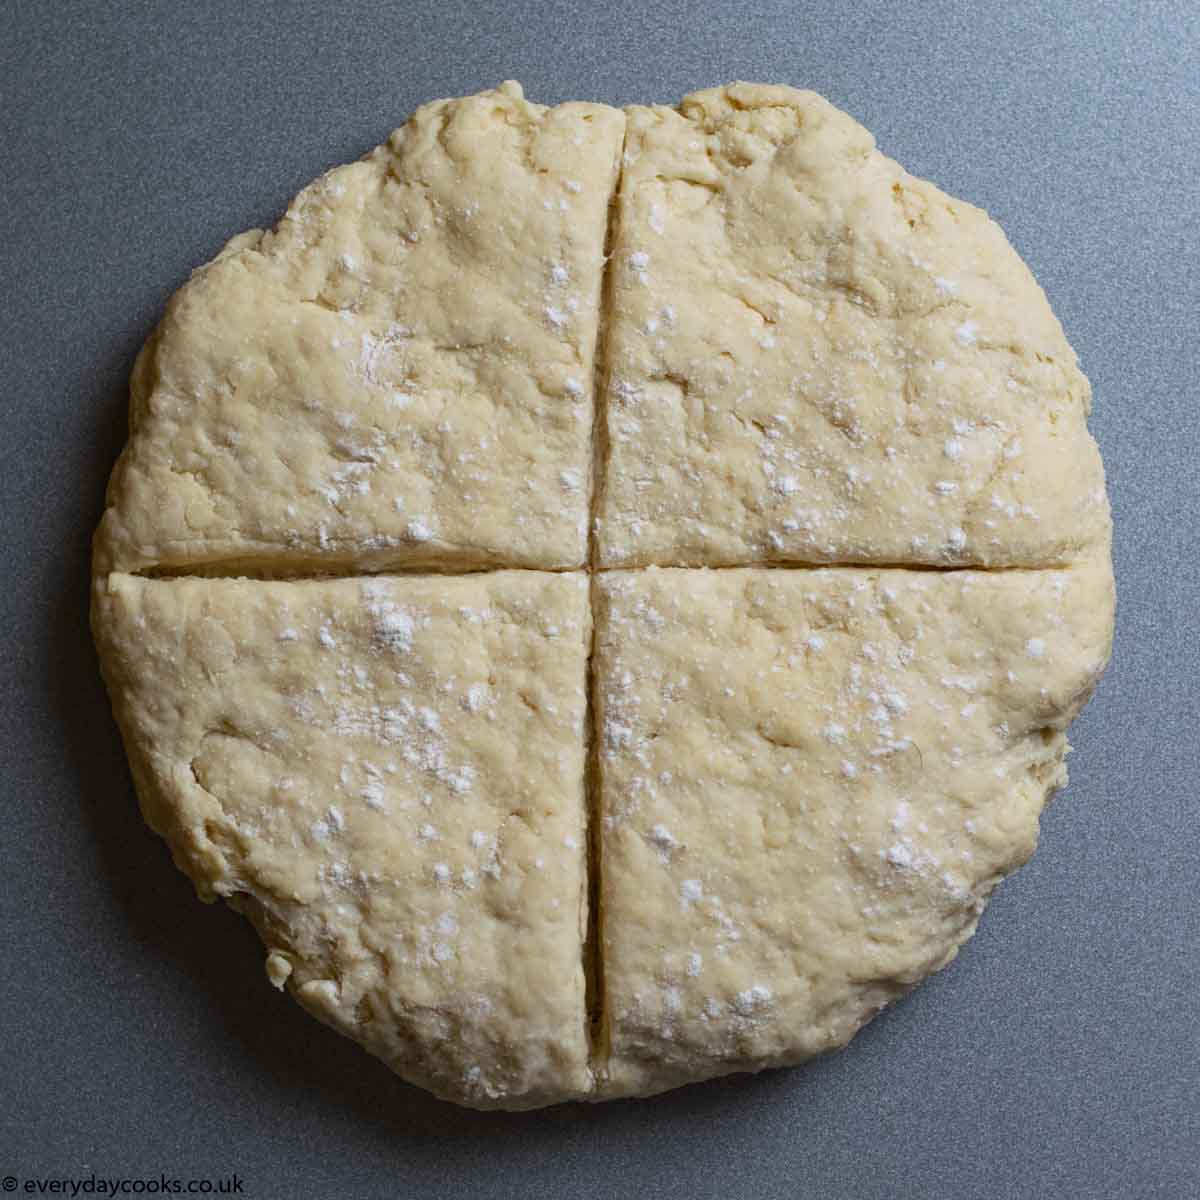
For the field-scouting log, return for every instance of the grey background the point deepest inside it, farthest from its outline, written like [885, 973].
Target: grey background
[1057, 1057]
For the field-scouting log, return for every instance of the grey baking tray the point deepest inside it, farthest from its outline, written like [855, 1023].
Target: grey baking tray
[1058, 1057]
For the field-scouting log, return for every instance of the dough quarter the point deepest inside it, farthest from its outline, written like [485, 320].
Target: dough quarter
[810, 783]
[815, 357]
[336, 759]
[398, 375]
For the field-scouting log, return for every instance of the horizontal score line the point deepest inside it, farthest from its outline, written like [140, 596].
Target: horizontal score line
[302, 572]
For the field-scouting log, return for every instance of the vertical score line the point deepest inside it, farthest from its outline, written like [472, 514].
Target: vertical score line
[593, 946]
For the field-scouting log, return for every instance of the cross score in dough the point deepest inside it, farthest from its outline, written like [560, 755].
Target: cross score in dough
[797, 786]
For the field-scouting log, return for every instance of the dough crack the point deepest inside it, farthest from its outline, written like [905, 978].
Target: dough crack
[593, 948]
[868, 567]
[301, 570]
[595, 999]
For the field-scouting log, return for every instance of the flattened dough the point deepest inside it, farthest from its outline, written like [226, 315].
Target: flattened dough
[814, 357]
[804, 780]
[810, 783]
[336, 758]
[400, 374]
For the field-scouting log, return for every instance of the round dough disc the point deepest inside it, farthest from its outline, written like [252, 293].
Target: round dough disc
[604, 592]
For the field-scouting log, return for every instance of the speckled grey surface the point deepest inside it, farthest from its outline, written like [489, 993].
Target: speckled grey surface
[1058, 1057]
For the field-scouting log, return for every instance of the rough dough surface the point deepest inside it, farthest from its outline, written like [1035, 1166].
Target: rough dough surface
[608, 784]
[336, 758]
[810, 783]
[814, 357]
[399, 374]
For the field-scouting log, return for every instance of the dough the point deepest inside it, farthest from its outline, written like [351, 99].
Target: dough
[400, 374]
[815, 357]
[810, 783]
[336, 759]
[519, 858]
